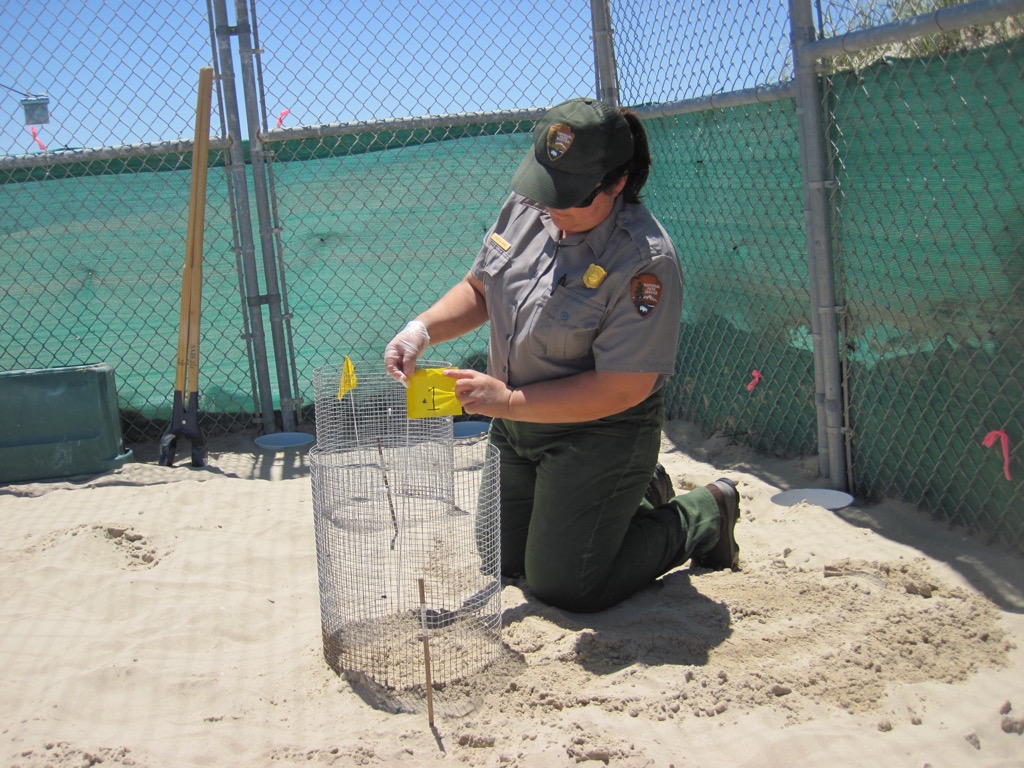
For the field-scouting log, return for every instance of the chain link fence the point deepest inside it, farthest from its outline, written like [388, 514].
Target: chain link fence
[928, 151]
[410, 153]
[94, 206]
[387, 136]
[726, 185]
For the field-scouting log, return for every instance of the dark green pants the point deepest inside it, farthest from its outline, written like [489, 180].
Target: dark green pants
[573, 517]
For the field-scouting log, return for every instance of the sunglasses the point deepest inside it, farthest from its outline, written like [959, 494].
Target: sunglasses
[589, 199]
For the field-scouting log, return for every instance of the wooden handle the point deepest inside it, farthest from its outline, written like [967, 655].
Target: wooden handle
[187, 374]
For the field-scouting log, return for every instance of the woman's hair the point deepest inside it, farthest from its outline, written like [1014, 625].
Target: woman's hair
[637, 167]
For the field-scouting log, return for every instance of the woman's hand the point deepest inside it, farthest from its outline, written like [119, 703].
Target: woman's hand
[479, 393]
[401, 354]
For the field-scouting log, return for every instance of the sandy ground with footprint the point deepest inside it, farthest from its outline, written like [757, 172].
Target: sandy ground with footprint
[169, 616]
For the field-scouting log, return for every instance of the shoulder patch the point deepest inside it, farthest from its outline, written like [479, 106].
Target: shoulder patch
[646, 293]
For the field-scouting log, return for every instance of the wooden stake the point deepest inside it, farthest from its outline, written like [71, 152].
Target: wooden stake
[426, 655]
[387, 486]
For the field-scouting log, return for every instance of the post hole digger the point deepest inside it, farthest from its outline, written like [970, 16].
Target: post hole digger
[185, 410]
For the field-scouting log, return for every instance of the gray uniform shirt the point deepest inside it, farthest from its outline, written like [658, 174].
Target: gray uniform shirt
[608, 300]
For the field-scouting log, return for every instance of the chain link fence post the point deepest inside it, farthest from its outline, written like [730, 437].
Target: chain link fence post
[604, 52]
[253, 299]
[824, 311]
[257, 158]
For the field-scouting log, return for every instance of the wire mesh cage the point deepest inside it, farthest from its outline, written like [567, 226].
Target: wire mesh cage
[406, 521]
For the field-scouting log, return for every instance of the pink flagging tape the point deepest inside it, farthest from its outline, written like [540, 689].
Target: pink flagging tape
[1004, 440]
[754, 381]
[39, 142]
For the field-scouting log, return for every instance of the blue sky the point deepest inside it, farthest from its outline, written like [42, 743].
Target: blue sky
[125, 72]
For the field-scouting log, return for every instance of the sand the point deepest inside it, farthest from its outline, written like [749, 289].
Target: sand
[169, 616]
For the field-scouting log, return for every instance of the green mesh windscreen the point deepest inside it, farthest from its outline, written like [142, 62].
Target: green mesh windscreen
[931, 253]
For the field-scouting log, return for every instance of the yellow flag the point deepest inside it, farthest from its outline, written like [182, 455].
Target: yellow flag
[431, 393]
[348, 379]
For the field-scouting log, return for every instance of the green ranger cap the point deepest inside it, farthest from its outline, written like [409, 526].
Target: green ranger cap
[575, 144]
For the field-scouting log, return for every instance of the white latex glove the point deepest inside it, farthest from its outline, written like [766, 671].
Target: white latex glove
[401, 353]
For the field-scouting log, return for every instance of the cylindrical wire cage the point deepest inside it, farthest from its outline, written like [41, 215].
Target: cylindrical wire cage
[398, 501]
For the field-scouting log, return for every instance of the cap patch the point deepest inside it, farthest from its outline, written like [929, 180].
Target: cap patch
[646, 291]
[560, 138]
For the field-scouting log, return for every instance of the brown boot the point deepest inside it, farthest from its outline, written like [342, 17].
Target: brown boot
[726, 553]
[660, 489]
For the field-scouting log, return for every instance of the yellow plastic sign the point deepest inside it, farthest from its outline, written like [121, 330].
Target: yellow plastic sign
[348, 379]
[431, 393]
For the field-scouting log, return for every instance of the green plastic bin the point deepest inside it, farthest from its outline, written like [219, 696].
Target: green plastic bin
[59, 422]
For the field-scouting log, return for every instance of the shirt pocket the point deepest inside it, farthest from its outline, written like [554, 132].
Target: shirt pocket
[493, 259]
[566, 326]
